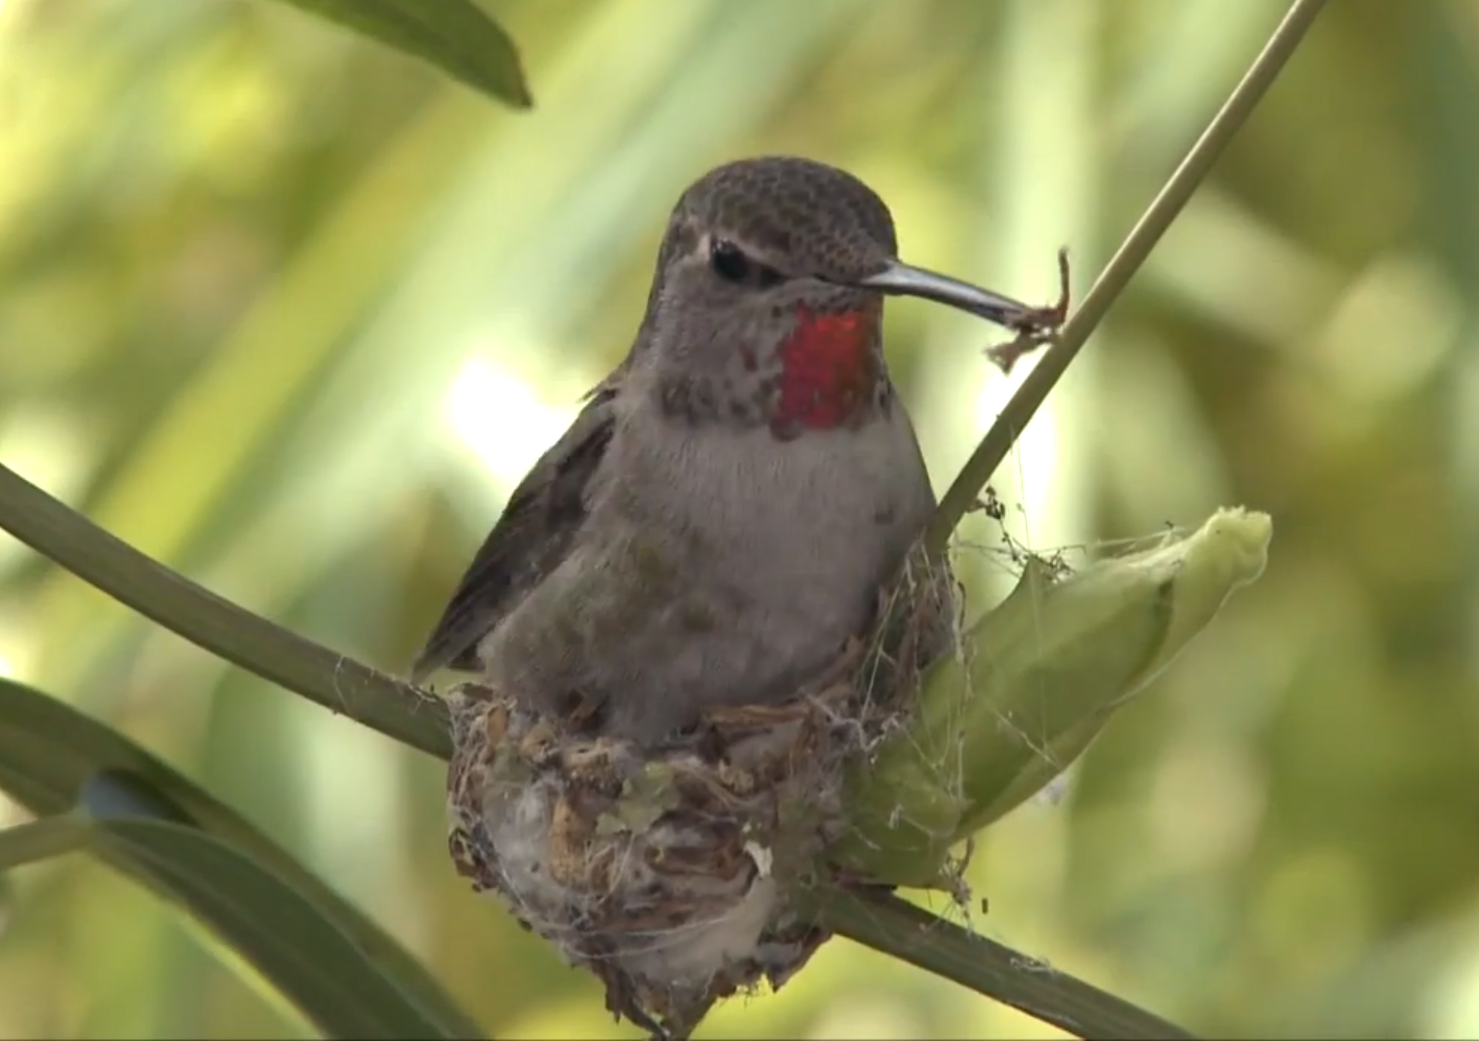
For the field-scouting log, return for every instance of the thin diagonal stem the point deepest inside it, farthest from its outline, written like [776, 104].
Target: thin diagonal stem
[912, 934]
[1116, 275]
[336, 682]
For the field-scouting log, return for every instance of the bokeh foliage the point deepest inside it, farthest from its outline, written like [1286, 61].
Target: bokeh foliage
[290, 313]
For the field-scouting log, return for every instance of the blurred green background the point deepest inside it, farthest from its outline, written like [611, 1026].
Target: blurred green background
[293, 313]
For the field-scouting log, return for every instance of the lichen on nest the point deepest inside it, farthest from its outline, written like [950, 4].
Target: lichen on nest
[670, 872]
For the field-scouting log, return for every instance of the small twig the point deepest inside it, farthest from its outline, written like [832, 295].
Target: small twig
[1039, 327]
[1118, 272]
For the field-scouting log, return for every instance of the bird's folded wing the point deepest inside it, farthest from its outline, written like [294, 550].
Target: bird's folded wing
[535, 532]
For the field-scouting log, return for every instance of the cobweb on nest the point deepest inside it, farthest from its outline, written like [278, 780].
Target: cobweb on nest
[1006, 559]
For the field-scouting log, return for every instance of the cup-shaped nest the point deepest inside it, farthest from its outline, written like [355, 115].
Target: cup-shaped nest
[670, 872]
[660, 871]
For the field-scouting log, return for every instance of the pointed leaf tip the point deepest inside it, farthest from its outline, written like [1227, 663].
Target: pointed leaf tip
[456, 36]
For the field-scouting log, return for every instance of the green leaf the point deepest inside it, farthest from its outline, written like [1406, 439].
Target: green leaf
[1042, 673]
[454, 35]
[259, 915]
[41, 840]
[145, 819]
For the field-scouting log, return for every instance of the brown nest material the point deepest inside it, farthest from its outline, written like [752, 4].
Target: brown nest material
[668, 873]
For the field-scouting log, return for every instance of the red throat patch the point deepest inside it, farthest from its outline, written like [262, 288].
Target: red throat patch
[827, 368]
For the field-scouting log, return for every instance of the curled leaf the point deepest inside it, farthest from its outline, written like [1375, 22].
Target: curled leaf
[1039, 677]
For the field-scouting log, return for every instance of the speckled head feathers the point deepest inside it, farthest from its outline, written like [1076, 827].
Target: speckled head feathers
[748, 244]
[803, 216]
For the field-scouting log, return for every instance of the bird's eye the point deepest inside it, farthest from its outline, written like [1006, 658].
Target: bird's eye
[729, 261]
[765, 277]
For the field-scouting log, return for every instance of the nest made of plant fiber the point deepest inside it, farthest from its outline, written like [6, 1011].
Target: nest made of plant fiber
[667, 872]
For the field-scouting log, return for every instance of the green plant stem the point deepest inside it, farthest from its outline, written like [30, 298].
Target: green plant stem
[41, 839]
[1163, 209]
[911, 934]
[336, 682]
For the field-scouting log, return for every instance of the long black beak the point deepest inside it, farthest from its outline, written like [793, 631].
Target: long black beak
[903, 280]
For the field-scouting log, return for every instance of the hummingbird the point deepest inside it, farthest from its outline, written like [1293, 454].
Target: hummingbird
[716, 523]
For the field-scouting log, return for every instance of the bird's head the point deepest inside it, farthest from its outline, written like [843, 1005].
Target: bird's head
[767, 304]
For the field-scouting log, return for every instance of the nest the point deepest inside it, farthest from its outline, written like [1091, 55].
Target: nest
[669, 873]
